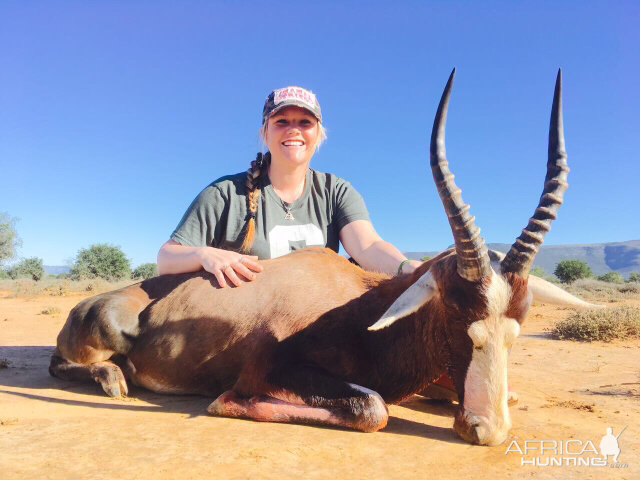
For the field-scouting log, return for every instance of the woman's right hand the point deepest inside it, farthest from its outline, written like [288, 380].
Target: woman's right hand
[228, 265]
[224, 264]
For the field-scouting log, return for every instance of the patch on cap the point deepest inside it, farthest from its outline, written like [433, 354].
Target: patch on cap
[294, 96]
[295, 93]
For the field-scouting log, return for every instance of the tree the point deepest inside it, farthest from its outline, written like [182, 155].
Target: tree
[101, 260]
[144, 271]
[634, 277]
[570, 270]
[9, 240]
[29, 267]
[611, 277]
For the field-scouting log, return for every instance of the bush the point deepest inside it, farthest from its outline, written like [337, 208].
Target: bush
[634, 277]
[101, 261]
[28, 268]
[571, 270]
[4, 274]
[593, 289]
[145, 271]
[538, 272]
[611, 277]
[605, 325]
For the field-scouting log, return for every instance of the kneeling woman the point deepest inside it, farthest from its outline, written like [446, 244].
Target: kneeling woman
[278, 205]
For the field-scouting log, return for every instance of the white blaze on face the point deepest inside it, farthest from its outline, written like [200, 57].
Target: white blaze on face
[485, 386]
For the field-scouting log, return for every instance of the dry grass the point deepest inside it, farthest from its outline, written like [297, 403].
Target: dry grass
[554, 402]
[50, 310]
[591, 289]
[24, 287]
[602, 324]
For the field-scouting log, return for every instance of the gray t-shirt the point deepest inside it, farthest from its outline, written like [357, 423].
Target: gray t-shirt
[218, 215]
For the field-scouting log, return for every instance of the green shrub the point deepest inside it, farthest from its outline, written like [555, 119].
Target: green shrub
[538, 272]
[28, 268]
[611, 277]
[571, 270]
[425, 258]
[634, 277]
[101, 261]
[145, 271]
[4, 274]
[604, 324]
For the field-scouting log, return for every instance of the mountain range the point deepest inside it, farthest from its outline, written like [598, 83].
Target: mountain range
[621, 257]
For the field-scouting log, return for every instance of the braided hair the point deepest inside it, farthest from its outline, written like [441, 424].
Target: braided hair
[258, 166]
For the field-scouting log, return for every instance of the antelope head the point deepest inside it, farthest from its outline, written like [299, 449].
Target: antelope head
[475, 308]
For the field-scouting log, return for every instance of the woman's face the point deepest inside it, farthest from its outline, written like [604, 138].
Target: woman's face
[292, 135]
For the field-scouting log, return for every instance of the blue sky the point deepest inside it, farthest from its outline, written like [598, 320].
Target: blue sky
[114, 115]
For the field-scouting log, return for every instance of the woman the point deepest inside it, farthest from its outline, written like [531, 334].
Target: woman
[279, 205]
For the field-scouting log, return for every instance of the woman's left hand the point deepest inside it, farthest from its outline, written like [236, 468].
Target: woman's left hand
[410, 266]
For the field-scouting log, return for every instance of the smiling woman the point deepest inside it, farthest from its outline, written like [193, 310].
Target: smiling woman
[279, 205]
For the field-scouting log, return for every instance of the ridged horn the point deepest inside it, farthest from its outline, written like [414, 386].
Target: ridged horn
[523, 251]
[471, 251]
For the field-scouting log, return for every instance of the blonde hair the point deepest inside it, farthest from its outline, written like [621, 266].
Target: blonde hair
[254, 173]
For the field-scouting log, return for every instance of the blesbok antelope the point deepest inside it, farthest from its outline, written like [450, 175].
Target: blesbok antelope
[318, 340]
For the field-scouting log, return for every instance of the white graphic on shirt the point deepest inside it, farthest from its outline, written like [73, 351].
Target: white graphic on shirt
[281, 235]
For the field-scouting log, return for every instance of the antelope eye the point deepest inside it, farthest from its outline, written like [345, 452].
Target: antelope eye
[478, 348]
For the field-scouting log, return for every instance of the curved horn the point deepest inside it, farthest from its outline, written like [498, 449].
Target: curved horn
[471, 252]
[523, 251]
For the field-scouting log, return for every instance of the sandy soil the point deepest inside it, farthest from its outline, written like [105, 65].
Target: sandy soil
[52, 429]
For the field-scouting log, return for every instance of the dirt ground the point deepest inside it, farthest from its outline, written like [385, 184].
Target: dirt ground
[54, 429]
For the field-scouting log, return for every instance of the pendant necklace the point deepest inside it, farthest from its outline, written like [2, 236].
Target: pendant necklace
[287, 208]
[288, 215]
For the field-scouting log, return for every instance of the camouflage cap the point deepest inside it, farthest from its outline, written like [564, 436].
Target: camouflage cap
[291, 97]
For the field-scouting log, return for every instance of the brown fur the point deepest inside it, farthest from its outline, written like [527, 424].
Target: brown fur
[297, 334]
[520, 298]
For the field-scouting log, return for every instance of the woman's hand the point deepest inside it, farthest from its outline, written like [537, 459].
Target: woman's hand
[361, 241]
[228, 265]
[224, 264]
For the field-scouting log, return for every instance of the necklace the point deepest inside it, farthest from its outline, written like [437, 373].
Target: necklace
[288, 215]
[286, 207]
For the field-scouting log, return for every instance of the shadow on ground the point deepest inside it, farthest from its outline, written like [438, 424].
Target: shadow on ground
[28, 369]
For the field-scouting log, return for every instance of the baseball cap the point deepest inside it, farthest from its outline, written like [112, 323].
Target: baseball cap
[288, 97]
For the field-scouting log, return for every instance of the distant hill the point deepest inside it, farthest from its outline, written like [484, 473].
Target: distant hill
[622, 257]
[56, 269]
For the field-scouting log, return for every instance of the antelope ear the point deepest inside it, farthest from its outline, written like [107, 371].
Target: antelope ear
[411, 300]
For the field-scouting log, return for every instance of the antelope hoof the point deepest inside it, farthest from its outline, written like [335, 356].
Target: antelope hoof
[111, 378]
[119, 389]
[224, 405]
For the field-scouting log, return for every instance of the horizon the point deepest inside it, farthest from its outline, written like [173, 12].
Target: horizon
[114, 116]
[451, 245]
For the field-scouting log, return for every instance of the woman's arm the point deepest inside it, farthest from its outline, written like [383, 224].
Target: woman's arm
[176, 258]
[361, 241]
